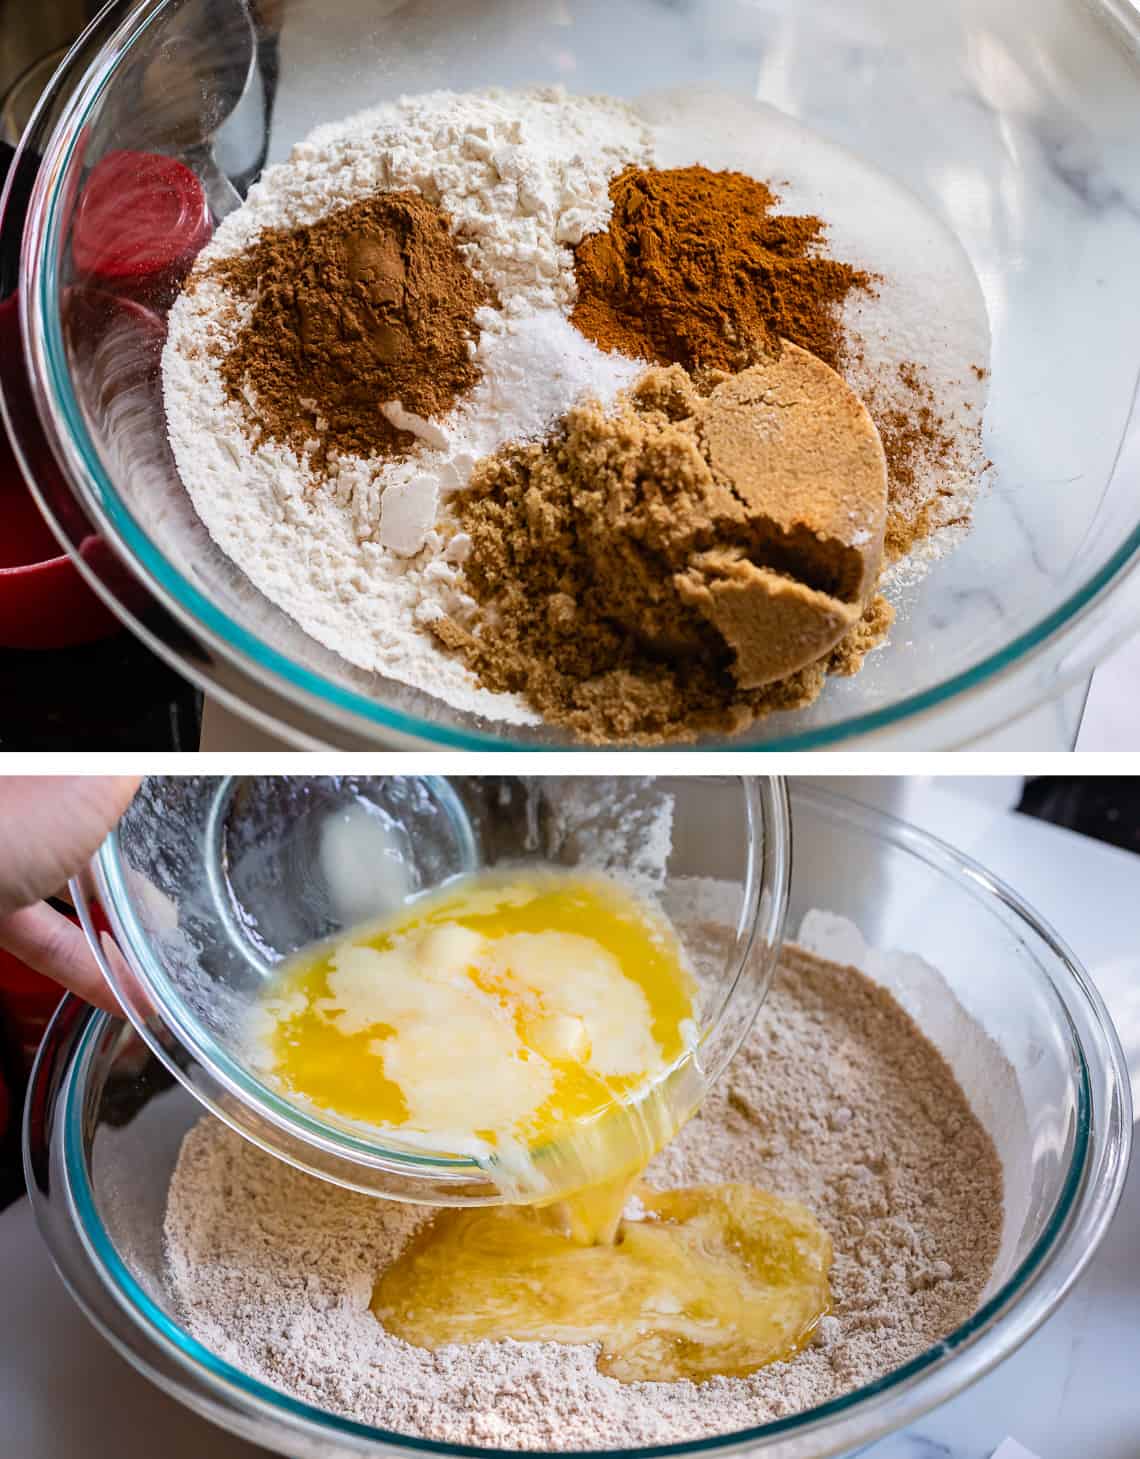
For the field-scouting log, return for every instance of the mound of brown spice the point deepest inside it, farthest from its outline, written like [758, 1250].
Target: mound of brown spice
[372, 304]
[696, 269]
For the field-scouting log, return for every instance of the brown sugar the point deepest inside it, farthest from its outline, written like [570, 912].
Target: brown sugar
[695, 268]
[684, 565]
[372, 304]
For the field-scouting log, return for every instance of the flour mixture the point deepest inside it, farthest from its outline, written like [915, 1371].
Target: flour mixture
[476, 237]
[836, 1100]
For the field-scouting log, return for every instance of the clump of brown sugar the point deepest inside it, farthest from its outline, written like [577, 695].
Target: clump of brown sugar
[695, 268]
[370, 305]
[684, 565]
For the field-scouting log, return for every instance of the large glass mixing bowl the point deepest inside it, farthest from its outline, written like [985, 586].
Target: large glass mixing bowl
[1013, 120]
[208, 882]
[106, 1119]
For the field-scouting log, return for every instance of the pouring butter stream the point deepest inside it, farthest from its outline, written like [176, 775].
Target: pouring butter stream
[544, 1024]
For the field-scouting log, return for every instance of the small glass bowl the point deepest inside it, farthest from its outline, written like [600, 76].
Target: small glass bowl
[106, 1120]
[208, 882]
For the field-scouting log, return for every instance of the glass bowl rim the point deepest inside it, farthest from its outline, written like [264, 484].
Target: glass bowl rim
[760, 921]
[276, 671]
[1080, 1216]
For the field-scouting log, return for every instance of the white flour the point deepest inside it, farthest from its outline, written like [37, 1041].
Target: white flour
[836, 1099]
[523, 175]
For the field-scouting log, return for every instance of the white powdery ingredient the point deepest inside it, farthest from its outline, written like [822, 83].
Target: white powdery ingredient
[523, 177]
[622, 826]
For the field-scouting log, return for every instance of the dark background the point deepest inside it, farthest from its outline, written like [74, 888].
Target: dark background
[113, 695]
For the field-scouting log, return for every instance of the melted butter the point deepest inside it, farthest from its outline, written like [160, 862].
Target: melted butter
[714, 1281]
[542, 1021]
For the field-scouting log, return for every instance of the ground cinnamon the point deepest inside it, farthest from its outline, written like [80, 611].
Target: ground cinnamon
[920, 446]
[372, 304]
[695, 268]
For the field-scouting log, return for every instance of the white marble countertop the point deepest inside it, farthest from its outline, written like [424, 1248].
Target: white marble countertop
[1112, 711]
[1070, 1393]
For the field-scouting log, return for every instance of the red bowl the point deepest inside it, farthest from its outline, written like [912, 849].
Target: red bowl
[27, 1002]
[140, 222]
[44, 601]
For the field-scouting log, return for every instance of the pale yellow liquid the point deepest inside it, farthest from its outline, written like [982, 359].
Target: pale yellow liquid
[717, 1281]
[545, 1022]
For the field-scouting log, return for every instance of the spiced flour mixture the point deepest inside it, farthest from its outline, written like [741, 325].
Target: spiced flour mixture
[380, 378]
[836, 1100]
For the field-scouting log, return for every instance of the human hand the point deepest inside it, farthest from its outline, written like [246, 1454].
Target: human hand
[50, 826]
